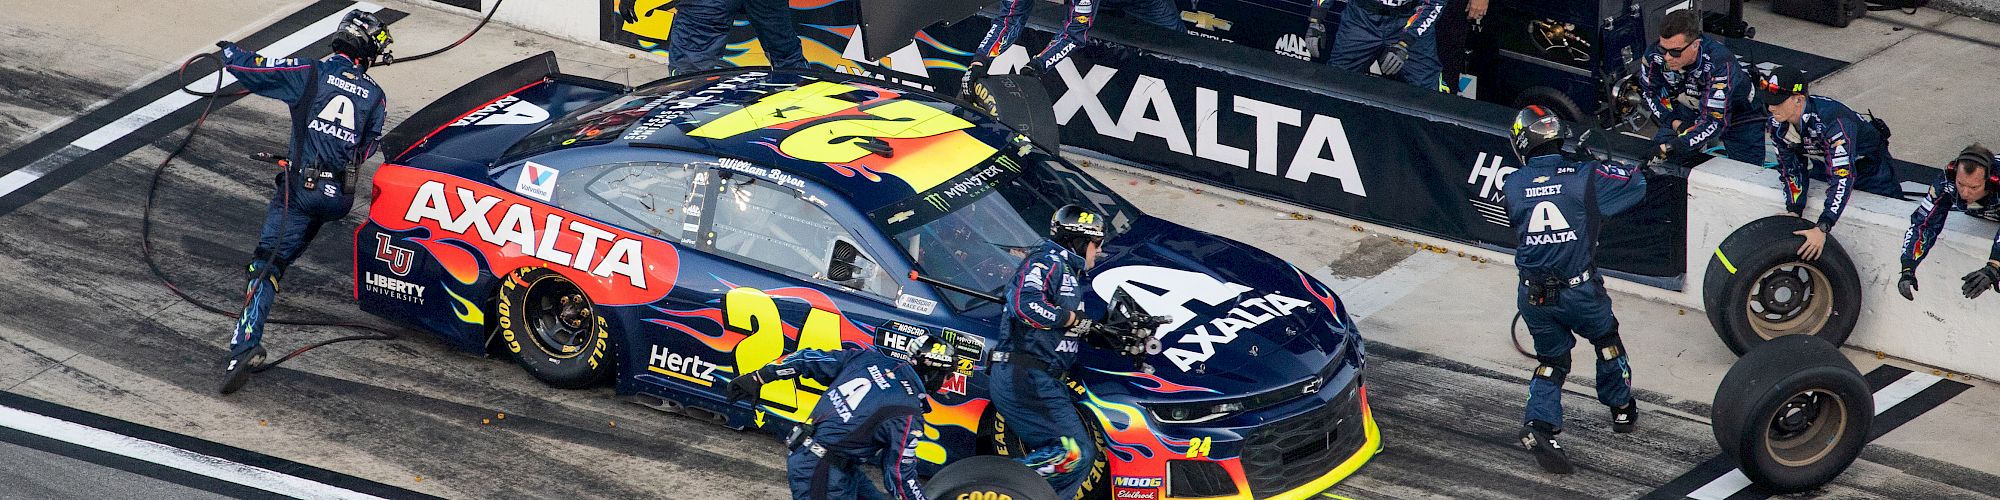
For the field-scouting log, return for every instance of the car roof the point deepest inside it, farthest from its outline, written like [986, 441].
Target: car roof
[859, 137]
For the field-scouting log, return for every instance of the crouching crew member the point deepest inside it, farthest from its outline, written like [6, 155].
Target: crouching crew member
[1687, 64]
[1028, 379]
[873, 411]
[337, 114]
[1967, 185]
[1557, 205]
[1400, 36]
[1854, 152]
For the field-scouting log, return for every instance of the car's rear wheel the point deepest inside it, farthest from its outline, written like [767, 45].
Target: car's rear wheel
[553, 330]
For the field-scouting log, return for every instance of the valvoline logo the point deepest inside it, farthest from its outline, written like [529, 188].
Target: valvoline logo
[537, 180]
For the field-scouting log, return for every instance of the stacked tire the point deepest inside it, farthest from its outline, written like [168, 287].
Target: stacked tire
[1793, 412]
[1757, 289]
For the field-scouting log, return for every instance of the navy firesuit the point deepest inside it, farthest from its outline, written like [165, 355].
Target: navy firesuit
[1029, 383]
[1727, 97]
[701, 28]
[1076, 27]
[337, 114]
[1369, 27]
[873, 410]
[1854, 156]
[1928, 220]
[1557, 206]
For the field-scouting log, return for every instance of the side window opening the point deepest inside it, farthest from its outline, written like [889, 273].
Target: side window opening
[655, 198]
[774, 227]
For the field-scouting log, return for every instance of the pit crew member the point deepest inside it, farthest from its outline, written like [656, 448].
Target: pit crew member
[1557, 204]
[1028, 379]
[1075, 31]
[873, 410]
[1398, 35]
[1968, 185]
[701, 27]
[337, 114]
[1854, 152]
[1689, 65]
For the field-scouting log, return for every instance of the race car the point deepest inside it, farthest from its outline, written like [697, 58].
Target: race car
[668, 237]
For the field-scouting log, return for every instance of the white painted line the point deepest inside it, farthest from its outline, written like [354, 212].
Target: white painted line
[175, 101]
[1722, 487]
[1890, 396]
[140, 449]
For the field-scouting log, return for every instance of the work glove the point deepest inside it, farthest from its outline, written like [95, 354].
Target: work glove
[1907, 284]
[229, 48]
[747, 386]
[972, 72]
[1083, 327]
[628, 11]
[1392, 60]
[1988, 276]
[1316, 37]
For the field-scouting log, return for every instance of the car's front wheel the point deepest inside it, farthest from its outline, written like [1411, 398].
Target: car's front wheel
[553, 330]
[1097, 479]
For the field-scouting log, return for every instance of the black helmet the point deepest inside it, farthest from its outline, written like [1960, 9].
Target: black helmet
[933, 359]
[1073, 226]
[1535, 128]
[363, 37]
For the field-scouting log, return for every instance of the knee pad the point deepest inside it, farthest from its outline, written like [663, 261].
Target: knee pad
[1554, 369]
[1609, 347]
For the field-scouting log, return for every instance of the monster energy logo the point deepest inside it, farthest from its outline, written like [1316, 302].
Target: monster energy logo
[937, 200]
[1008, 163]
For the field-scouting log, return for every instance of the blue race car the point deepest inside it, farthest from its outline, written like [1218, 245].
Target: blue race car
[668, 237]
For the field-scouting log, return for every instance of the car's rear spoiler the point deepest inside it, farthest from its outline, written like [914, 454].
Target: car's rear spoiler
[410, 136]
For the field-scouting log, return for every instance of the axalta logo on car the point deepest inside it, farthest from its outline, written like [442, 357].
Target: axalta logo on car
[1182, 286]
[517, 227]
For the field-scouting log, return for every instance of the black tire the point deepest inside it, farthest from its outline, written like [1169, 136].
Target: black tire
[1022, 103]
[551, 328]
[1554, 100]
[988, 477]
[1793, 413]
[1756, 287]
[1096, 483]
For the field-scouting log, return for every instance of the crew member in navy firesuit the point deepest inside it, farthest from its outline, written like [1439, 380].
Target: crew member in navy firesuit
[1398, 35]
[337, 113]
[701, 28]
[1687, 65]
[1076, 30]
[872, 411]
[1967, 185]
[1028, 379]
[1854, 152]
[1557, 204]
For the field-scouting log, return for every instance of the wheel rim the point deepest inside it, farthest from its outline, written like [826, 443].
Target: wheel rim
[561, 317]
[1793, 298]
[1805, 428]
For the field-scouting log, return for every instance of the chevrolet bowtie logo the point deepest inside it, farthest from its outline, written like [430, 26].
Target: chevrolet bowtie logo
[1206, 21]
[1313, 386]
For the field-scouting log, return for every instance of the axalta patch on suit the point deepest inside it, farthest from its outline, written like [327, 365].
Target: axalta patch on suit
[671, 237]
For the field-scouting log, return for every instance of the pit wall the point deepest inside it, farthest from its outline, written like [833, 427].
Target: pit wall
[1941, 328]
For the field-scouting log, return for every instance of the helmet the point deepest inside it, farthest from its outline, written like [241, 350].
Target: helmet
[362, 36]
[933, 359]
[1073, 223]
[1536, 127]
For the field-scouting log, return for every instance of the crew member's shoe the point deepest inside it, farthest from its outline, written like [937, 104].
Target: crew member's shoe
[1625, 420]
[1029, 70]
[1540, 439]
[236, 369]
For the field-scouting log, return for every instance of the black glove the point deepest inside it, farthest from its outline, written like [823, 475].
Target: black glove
[1083, 327]
[1316, 37]
[229, 48]
[1392, 60]
[1977, 282]
[749, 385]
[972, 72]
[628, 11]
[1907, 284]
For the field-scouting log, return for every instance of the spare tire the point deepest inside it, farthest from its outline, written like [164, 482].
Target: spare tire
[1021, 102]
[1793, 413]
[988, 477]
[1757, 289]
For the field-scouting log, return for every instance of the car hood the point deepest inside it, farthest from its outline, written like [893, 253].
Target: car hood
[1244, 320]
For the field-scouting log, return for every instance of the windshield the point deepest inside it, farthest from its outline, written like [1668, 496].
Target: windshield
[979, 244]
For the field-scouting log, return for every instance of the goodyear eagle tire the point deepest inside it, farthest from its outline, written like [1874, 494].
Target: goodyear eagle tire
[1757, 288]
[1022, 103]
[1096, 483]
[552, 329]
[988, 477]
[1793, 413]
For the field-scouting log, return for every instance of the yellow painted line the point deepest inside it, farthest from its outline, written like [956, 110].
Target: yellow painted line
[1725, 260]
[679, 375]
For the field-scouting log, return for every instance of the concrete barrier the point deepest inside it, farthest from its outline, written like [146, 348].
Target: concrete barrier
[1941, 328]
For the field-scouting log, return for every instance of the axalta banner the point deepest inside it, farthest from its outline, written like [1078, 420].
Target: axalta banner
[1244, 118]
